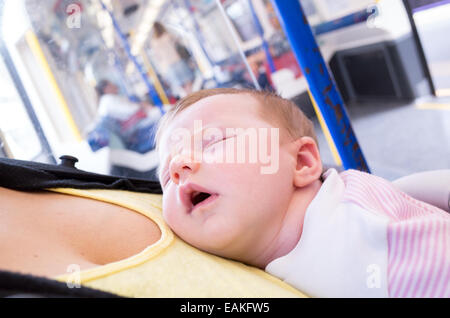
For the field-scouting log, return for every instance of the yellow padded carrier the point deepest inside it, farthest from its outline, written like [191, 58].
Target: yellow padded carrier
[170, 267]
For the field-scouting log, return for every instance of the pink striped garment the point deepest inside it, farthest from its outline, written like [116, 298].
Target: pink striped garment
[418, 236]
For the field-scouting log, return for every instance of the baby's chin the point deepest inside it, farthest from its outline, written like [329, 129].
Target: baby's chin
[220, 244]
[212, 234]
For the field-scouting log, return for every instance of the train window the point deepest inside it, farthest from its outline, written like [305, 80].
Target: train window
[18, 137]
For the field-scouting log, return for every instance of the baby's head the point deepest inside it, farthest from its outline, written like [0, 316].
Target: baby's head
[254, 156]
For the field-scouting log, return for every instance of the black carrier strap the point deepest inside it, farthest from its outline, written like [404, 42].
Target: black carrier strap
[28, 176]
[17, 285]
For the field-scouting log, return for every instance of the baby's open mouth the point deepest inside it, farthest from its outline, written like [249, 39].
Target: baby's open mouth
[197, 197]
[194, 196]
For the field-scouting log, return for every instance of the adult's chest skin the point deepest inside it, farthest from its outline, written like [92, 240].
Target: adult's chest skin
[43, 233]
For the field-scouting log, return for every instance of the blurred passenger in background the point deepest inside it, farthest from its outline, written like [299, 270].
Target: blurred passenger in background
[127, 128]
[260, 72]
[111, 102]
[259, 69]
[172, 60]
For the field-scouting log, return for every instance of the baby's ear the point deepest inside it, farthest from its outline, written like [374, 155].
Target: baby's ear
[309, 165]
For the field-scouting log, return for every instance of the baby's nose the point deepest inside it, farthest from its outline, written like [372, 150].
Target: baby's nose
[182, 166]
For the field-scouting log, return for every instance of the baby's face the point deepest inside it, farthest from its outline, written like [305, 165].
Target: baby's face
[247, 197]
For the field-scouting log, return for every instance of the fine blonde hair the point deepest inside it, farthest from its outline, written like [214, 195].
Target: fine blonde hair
[274, 109]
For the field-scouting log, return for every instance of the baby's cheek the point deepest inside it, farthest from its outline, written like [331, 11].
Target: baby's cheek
[172, 221]
[169, 211]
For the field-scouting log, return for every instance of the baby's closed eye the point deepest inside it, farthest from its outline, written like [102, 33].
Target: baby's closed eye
[217, 140]
[206, 143]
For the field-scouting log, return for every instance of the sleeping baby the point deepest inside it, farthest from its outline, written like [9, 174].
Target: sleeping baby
[242, 178]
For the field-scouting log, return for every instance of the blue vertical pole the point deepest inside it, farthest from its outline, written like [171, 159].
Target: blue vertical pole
[321, 83]
[122, 78]
[198, 33]
[151, 91]
[261, 34]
